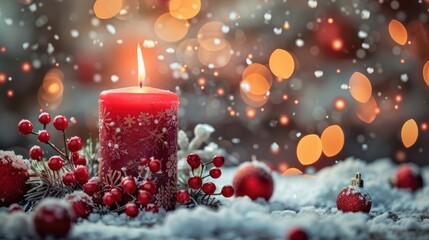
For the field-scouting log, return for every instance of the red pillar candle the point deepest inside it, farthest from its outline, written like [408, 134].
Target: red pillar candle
[140, 122]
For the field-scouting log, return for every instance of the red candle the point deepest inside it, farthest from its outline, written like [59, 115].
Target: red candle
[140, 122]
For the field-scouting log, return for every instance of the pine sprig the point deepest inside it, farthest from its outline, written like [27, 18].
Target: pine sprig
[90, 152]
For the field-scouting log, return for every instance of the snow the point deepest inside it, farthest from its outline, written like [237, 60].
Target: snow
[7, 157]
[307, 201]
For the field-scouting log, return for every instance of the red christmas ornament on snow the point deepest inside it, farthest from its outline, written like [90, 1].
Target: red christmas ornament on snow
[81, 203]
[408, 177]
[253, 180]
[354, 198]
[297, 233]
[13, 175]
[53, 217]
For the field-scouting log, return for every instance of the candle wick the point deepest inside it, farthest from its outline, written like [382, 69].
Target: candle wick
[141, 84]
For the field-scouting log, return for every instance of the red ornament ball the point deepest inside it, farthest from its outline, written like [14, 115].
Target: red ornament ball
[218, 161]
[149, 186]
[183, 196]
[81, 203]
[55, 163]
[193, 160]
[36, 153]
[227, 191]
[144, 197]
[13, 176]
[131, 210]
[44, 118]
[195, 182]
[354, 198]
[53, 217]
[408, 177]
[215, 172]
[60, 122]
[209, 188]
[155, 165]
[69, 179]
[81, 174]
[44, 136]
[25, 127]
[74, 144]
[297, 233]
[253, 180]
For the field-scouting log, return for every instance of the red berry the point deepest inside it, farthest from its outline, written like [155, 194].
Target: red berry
[81, 174]
[15, 208]
[129, 186]
[193, 160]
[81, 203]
[74, 144]
[209, 188]
[109, 199]
[144, 161]
[218, 160]
[117, 193]
[52, 218]
[25, 127]
[69, 179]
[195, 182]
[149, 186]
[44, 118]
[215, 172]
[144, 197]
[80, 161]
[60, 122]
[151, 208]
[182, 196]
[92, 186]
[297, 233]
[55, 163]
[154, 165]
[227, 191]
[131, 210]
[36, 153]
[43, 136]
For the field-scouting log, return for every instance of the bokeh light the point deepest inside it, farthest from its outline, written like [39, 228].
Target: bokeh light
[170, 29]
[292, 172]
[340, 104]
[367, 112]
[409, 133]
[360, 87]
[398, 32]
[332, 140]
[282, 63]
[426, 72]
[105, 9]
[184, 9]
[309, 149]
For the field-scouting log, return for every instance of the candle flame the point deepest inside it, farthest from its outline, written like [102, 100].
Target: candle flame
[142, 71]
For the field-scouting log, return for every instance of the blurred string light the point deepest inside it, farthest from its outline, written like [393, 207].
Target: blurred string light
[332, 140]
[398, 32]
[50, 94]
[309, 149]
[281, 63]
[409, 133]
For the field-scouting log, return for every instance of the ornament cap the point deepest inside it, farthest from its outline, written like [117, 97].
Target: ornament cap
[357, 181]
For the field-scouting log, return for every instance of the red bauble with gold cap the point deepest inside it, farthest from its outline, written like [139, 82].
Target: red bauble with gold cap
[354, 198]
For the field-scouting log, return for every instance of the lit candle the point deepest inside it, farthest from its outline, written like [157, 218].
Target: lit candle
[140, 122]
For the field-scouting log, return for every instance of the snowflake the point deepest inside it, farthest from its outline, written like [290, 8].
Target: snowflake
[105, 118]
[145, 119]
[117, 147]
[129, 120]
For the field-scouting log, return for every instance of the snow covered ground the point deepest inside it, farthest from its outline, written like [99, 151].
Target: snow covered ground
[305, 201]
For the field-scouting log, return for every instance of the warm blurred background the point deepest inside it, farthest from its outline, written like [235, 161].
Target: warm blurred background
[57, 56]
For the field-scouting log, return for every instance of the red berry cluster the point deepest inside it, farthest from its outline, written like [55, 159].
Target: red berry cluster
[195, 182]
[131, 194]
[72, 166]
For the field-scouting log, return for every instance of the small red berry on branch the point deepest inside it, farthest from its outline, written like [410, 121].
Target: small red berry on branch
[69, 179]
[74, 144]
[209, 188]
[144, 197]
[36, 153]
[92, 186]
[117, 193]
[129, 185]
[25, 127]
[55, 163]
[44, 118]
[81, 174]
[194, 160]
[43, 136]
[155, 165]
[218, 161]
[149, 186]
[215, 172]
[109, 199]
[60, 122]
[183, 196]
[227, 191]
[195, 182]
[131, 210]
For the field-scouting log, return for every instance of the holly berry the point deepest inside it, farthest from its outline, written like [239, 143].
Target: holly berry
[218, 161]
[109, 199]
[194, 160]
[195, 182]
[74, 144]
[144, 197]
[149, 186]
[155, 165]
[79, 160]
[25, 127]
[129, 186]
[81, 203]
[81, 174]
[44, 118]
[215, 172]
[209, 188]
[36, 153]
[297, 233]
[227, 191]
[60, 122]
[52, 218]
[144, 161]
[131, 210]
[43, 136]
[69, 179]
[151, 208]
[183, 196]
[92, 186]
[55, 163]
[117, 193]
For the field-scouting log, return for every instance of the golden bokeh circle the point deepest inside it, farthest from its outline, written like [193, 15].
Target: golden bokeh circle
[184, 9]
[170, 29]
